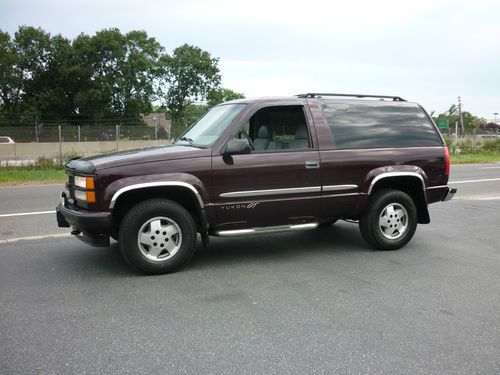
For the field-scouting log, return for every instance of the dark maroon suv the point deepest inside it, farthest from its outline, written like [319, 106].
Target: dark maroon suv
[264, 165]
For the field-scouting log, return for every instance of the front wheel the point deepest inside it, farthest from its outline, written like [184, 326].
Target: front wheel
[390, 220]
[157, 236]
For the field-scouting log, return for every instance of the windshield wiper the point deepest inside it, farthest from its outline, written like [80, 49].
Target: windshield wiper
[186, 139]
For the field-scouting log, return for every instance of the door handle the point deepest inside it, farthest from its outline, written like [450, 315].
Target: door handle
[311, 164]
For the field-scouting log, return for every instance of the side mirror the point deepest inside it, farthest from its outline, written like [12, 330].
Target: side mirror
[237, 147]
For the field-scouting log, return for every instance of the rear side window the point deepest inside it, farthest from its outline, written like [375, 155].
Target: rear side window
[378, 124]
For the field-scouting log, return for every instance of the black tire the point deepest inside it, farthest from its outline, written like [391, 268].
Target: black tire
[388, 237]
[172, 218]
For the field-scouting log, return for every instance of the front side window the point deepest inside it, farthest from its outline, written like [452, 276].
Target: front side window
[277, 128]
[209, 128]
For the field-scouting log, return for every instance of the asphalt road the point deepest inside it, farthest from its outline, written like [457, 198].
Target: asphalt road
[305, 303]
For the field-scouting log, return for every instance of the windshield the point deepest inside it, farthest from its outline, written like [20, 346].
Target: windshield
[210, 127]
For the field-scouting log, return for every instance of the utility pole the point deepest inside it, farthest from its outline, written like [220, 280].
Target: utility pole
[462, 129]
[156, 128]
[496, 127]
[36, 128]
[60, 146]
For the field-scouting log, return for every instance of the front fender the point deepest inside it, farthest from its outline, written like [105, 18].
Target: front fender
[184, 180]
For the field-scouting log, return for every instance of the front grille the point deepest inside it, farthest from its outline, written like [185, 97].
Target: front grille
[71, 189]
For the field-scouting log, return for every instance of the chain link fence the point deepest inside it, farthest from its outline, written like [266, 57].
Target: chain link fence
[108, 133]
[64, 142]
[88, 133]
[472, 142]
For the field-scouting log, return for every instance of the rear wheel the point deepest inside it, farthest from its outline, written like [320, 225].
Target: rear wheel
[390, 220]
[157, 236]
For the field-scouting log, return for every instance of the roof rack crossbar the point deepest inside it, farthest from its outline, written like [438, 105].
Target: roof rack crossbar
[316, 94]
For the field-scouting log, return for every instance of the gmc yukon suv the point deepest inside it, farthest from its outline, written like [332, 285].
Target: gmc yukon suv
[264, 165]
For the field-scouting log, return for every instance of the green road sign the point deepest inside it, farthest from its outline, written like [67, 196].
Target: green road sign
[443, 124]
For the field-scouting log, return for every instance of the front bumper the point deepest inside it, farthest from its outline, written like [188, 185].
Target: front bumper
[81, 219]
[92, 228]
[449, 194]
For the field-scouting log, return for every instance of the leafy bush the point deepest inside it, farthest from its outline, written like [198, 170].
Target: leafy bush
[466, 146]
[492, 145]
[449, 142]
[43, 163]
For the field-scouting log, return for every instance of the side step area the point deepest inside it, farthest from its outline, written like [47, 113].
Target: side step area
[264, 230]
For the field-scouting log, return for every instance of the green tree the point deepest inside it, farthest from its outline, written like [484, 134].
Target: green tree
[10, 90]
[31, 61]
[31, 80]
[107, 75]
[54, 97]
[189, 74]
[139, 69]
[470, 121]
[118, 72]
[95, 65]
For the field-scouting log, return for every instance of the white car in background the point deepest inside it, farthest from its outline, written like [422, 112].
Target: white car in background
[6, 140]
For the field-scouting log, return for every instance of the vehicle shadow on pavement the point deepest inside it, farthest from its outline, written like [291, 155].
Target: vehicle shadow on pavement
[336, 239]
[96, 262]
[341, 238]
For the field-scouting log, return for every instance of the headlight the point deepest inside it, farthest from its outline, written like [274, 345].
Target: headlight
[85, 182]
[86, 196]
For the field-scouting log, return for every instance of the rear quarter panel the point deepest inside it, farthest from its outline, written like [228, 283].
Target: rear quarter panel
[360, 166]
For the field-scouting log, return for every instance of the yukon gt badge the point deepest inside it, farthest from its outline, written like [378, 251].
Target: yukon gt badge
[239, 206]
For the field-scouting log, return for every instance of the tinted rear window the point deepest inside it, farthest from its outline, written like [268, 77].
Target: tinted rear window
[378, 124]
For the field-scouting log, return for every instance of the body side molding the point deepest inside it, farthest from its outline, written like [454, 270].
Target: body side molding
[339, 187]
[258, 193]
[300, 190]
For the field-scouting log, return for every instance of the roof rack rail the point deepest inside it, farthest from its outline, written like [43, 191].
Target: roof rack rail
[316, 95]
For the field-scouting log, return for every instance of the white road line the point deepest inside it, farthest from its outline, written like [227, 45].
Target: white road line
[29, 213]
[474, 164]
[490, 168]
[471, 181]
[34, 238]
[31, 186]
[477, 198]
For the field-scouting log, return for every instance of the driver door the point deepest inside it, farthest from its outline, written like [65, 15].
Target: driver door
[277, 183]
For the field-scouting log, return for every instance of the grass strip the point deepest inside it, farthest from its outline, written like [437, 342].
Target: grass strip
[476, 157]
[11, 176]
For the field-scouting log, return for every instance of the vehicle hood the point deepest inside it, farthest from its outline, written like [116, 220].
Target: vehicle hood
[137, 156]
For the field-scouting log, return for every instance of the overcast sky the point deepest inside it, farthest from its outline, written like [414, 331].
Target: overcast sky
[425, 51]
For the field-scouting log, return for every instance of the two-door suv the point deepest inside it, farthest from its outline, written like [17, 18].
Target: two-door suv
[264, 165]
